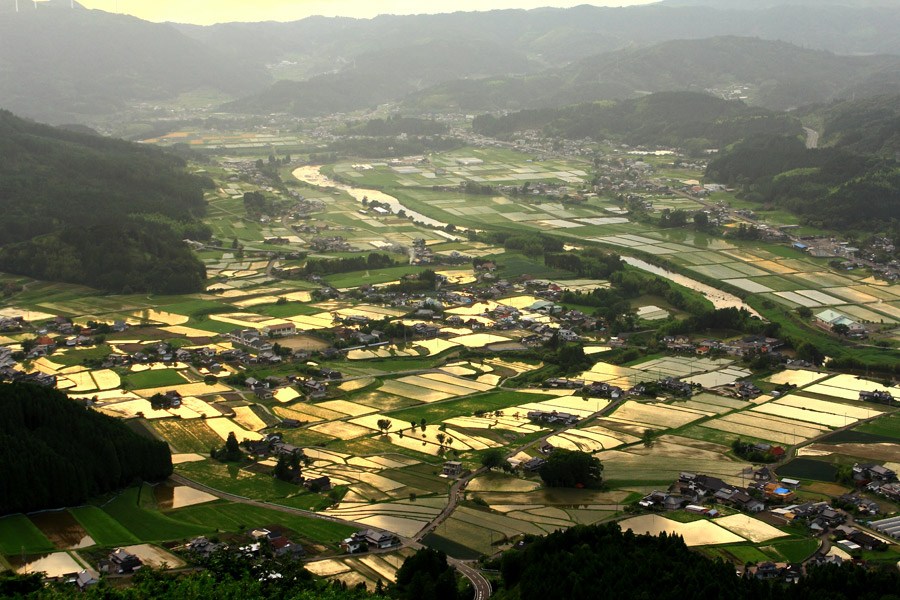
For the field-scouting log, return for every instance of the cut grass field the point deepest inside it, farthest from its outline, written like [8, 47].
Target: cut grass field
[18, 534]
[888, 426]
[230, 478]
[741, 553]
[797, 550]
[149, 525]
[373, 276]
[104, 529]
[238, 517]
[153, 379]
[77, 357]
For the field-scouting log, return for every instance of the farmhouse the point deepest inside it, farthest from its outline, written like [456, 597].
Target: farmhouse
[319, 484]
[553, 417]
[85, 580]
[876, 396]
[280, 329]
[121, 562]
[830, 318]
[873, 472]
[773, 491]
[452, 468]
[250, 338]
[375, 538]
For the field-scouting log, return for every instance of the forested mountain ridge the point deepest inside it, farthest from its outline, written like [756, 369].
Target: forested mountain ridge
[63, 65]
[779, 76]
[382, 76]
[56, 452]
[828, 187]
[556, 36]
[868, 125]
[690, 120]
[107, 213]
[58, 64]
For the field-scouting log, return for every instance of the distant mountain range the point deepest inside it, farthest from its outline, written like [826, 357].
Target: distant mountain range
[62, 65]
[57, 64]
[382, 76]
[779, 75]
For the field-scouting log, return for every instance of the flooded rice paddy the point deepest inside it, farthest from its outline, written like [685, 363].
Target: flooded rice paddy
[62, 529]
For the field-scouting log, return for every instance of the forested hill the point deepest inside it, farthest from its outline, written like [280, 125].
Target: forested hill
[384, 75]
[828, 187]
[55, 452]
[868, 125]
[601, 561]
[690, 120]
[779, 76]
[96, 211]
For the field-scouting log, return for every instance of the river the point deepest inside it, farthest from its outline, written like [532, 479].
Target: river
[718, 298]
[313, 176]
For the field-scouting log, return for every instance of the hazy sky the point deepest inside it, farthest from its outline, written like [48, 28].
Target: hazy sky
[217, 11]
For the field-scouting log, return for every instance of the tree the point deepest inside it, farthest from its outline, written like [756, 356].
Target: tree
[568, 468]
[426, 574]
[841, 329]
[804, 312]
[412, 424]
[647, 437]
[701, 220]
[232, 448]
[384, 425]
[422, 423]
[492, 459]
[282, 469]
[808, 352]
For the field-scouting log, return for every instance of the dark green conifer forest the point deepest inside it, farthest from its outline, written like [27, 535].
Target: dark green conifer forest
[56, 452]
[102, 212]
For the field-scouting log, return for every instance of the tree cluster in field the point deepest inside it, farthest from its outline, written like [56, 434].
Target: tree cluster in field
[748, 452]
[592, 263]
[530, 245]
[730, 318]
[426, 281]
[613, 302]
[570, 468]
[578, 562]
[332, 266]
[56, 452]
[828, 187]
[288, 467]
[106, 213]
[230, 452]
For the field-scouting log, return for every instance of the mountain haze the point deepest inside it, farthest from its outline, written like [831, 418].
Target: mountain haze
[781, 76]
[57, 63]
